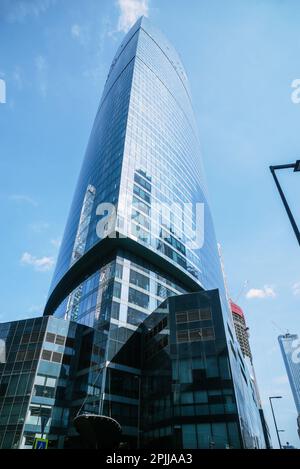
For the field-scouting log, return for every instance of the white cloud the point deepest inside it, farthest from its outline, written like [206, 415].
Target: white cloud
[265, 292]
[19, 10]
[296, 288]
[130, 11]
[41, 264]
[23, 198]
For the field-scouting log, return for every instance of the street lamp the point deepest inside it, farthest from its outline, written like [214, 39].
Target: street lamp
[277, 431]
[296, 167]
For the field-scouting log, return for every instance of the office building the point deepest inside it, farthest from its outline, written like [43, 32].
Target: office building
[49, 367]
[139, 232]
[290, 349]
[187, 394]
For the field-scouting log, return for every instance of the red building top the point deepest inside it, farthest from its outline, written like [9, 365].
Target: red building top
[236, 309]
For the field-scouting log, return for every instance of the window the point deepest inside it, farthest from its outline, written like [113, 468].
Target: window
[189, 438]
[119, 271]
[182, 336]
[41, 411]
[140, 205]
[201, 397]
[20, 356]
[25, 338]
[135, 317]
[142, 194]
[193, 315]
[60, 340]
[29, 355]
[163, 291]
[50, 337]
[117, 290]
[219, 435]
[29, 439]
[141, 181]
[46, 355]
[44, 391]
[204, 436]
[140, 219]
[52, 356]
[34, 337]
[181, 317]
[139, 280]
[194, 335]
[205, 314]
[208, 333]
[138, 298]
[40, 379]
[56, 357]
[187, 398]
[115, 310]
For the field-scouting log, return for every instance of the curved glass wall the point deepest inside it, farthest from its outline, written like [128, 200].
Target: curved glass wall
[143, 157]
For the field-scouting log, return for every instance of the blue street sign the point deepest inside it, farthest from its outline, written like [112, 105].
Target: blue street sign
[40, 443]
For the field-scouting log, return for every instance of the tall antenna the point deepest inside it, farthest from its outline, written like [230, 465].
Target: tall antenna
[278, 327]
[242, 290]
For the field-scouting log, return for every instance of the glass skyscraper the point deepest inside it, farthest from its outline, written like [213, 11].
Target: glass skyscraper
[140, 228]
[142, 157]
[290, 349]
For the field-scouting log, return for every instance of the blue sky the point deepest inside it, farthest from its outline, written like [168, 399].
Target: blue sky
[241, 58]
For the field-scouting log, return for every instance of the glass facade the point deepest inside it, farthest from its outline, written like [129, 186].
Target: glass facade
[186, 386]
[144, 158]
[49, 369]
[290, 349]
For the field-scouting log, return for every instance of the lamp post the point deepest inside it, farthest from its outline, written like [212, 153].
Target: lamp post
[296, 167]
[277, 431]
